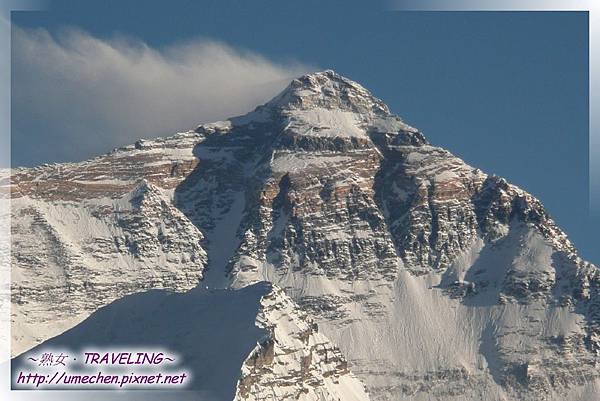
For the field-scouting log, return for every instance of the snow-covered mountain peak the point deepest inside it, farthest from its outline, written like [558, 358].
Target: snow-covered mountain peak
[316, 112]
[328, 90]
[142, 188]
[399, 264]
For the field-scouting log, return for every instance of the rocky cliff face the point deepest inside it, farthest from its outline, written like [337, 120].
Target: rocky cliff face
[293, 361]
[432, 279]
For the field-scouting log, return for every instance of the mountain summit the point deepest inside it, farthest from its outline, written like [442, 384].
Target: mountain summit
[328, 90]
[393, 263]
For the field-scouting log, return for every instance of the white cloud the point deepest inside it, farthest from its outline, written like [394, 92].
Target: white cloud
[75, 95]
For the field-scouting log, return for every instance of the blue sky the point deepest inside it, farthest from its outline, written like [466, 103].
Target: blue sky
[507, 92]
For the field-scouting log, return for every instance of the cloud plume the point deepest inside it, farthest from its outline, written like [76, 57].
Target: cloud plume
[74, 95]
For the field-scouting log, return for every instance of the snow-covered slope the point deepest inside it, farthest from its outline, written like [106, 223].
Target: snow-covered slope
[88, 233]
[213, 334]
[209, 334]
[434, 280]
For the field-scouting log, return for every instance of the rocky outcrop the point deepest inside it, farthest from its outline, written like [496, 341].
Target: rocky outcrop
[294, 361]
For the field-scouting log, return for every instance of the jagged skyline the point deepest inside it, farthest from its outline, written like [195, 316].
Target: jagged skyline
[510, 95]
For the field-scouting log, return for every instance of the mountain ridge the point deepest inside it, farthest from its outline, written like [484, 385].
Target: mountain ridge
[383, 239]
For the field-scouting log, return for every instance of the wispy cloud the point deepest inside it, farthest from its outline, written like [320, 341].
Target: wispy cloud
[75, 95]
